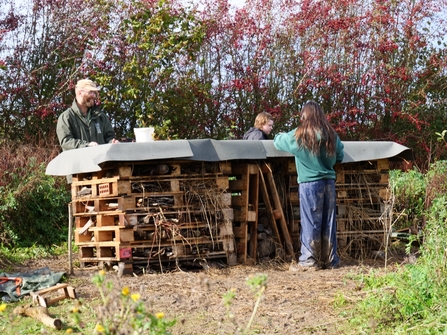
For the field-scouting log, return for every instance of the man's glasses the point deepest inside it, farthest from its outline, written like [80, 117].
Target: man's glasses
[91, 93]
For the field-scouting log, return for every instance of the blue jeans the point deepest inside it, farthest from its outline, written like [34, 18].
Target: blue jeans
[318, 225]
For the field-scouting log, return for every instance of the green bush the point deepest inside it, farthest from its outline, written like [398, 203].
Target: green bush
[409, 190]
[33, 207]
[436, 182]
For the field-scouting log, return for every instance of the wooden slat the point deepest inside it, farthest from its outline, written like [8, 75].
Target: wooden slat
[278, 208]
[268, 206]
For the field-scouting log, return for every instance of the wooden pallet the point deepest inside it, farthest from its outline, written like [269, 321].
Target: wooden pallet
[244, 201]
[51, 295]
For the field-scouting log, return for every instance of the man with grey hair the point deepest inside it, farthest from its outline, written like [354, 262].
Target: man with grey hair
[84, 124]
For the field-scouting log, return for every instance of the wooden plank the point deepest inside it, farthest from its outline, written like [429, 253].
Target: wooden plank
[278, 207]
[268, 206]
[93, 181]
[252, 169]
[293, 181]
[228, 214]
[125, 172]
[253, 222]
[81, 221]
[108, 251]
[241, 237]
[125, 202]
[239, 201]
[175, 184]
[64, 291]
[240, 232]
[83, 207]
[243, 214]
[105, 220]
[373, 200]
[238, 185]
[125, 235]
[96, 260]
[226, 199]
[383, 165]
[176, 169]
[104, 235]
[239, 168]
[294, 197]
[225, 168]
[82, 238]
[222, 183]
[87, 252]
[291, 166]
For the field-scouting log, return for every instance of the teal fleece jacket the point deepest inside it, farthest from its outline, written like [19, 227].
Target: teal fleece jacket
[74, 131]
[309, 167]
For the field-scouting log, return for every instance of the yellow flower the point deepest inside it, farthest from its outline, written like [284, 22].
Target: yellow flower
[75, 310]
[99, 328]
[102, 273]
[135, 297]
[125, 291]
[69, 331]
[160, 315]
[2, 308]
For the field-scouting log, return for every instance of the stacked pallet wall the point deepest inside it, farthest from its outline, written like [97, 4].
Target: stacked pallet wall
[170, 211]
[159, 212]
[363, 214]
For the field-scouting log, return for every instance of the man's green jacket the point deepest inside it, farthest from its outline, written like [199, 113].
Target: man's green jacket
[76, 131]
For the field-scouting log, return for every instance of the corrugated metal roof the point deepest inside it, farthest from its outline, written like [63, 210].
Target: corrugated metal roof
[86, 160]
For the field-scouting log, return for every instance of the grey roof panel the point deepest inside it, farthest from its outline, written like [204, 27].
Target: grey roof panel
[371, 150]
[90, 159]
[85, 160]
[209, 150]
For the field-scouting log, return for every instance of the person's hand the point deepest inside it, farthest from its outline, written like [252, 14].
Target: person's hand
[114, 141]
[92, 144]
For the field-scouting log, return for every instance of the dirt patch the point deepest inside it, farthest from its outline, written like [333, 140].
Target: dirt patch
[293, 303]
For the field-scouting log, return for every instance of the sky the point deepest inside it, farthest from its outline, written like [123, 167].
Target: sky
[238, 3]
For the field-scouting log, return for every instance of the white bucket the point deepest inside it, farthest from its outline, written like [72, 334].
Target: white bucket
[144, 134]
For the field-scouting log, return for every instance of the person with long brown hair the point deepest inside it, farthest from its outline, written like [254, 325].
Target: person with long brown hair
[317, 148]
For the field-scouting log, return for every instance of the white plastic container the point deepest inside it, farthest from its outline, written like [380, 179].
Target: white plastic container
[144, 134]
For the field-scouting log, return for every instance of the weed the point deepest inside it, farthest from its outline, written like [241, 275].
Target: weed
[123, 312]
[340, 301]
[412, 299]
[258, 285]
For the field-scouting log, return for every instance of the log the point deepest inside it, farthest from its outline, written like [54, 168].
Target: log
[39, 313]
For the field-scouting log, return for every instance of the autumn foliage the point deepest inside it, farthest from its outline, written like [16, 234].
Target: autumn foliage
[205, 69]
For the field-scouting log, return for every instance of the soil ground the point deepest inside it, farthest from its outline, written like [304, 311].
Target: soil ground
[293, 303]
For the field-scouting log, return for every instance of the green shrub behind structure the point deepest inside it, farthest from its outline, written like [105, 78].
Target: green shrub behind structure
[409, 190]
[436, 182]
[33, 205]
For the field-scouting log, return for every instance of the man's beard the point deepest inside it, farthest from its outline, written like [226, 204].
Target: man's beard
[89, 102]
